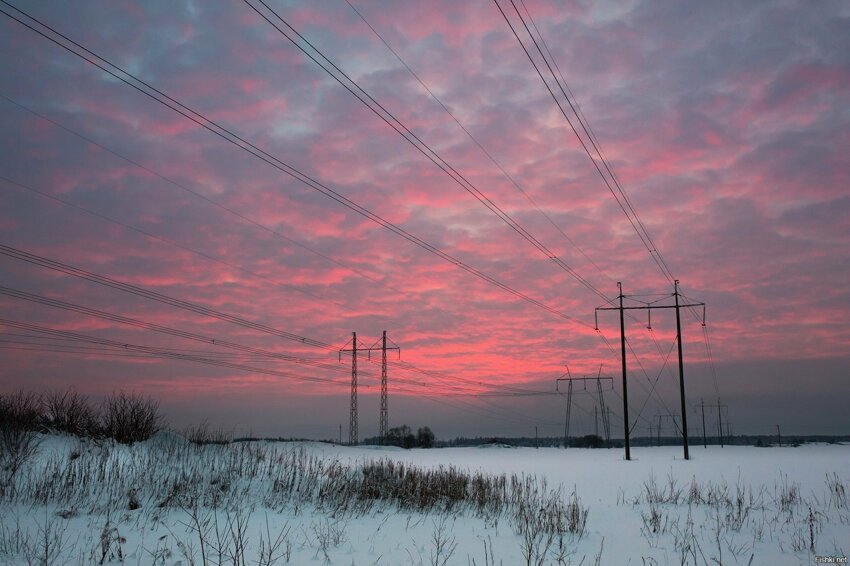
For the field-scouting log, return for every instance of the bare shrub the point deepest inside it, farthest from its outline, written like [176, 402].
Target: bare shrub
[443, 542]
[655, 522]
[786, 496]
[21, 410]
[129, 417]
[536, 540]
[273, 549]
[110, 543]
[49, 544]
[653, 493]
[20, 416]
[576, 516]
[203, 434]
[68, 411]
[837, 492]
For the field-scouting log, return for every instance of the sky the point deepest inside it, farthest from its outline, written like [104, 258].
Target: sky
[727, 126]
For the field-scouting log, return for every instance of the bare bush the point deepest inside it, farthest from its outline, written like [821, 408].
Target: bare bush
[837, 492]
[203, 434]
[786, 496]
[536, 540]
[20, 416]
[129, 417]
[110, 543]
[443, 542]
[273, 549]
[71, 412]
[576, 516]
[22, 410]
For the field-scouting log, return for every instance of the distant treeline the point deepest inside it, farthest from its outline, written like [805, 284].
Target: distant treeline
[593, 441]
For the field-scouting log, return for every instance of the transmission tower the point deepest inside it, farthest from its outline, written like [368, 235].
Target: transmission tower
[383, 426]
[720, 408]
[353, 437]
[353, 417]
[605, 414]
[664, 416]
[649, 306]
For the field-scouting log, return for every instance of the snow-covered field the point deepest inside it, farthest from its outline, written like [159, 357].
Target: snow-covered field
[166, 501]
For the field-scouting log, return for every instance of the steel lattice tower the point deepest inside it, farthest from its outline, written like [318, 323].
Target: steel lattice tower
[353, 438]
[352, 427]
[384, 425]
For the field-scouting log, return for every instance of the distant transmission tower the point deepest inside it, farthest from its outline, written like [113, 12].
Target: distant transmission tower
[353, 436]
[384, 420]
[602, 408]
[352, 425]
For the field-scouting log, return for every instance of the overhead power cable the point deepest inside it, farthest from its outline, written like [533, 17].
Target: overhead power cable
[217, 204]
[475, 140]
[164, 240]
[637, 223]
[615, 188]
[41, 261]
[162, 352]
[120, 74]
[103, 315]
[316, 55]
[484, 150]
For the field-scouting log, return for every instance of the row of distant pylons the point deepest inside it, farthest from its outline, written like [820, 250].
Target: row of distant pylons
[383, 427]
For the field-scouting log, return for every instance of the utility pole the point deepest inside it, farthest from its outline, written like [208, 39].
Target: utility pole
[778, 436]
[340, 433]
[649, 307]
[569, 404]
[681, 371]
[595, 421]
[719, 406]
[659, 430]
[666, 416]
[606, 426]
[353, 433]
[536, 445]
[704, 438]
[625, 388]
[567, 417]
[720, 424]
[570, 379]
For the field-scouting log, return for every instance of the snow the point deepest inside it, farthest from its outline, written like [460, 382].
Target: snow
[747, 505]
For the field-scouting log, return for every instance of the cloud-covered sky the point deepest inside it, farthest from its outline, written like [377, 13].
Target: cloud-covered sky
[728, 124]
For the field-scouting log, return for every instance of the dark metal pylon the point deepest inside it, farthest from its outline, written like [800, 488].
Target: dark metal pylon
[570, 379]
[649, 307]
[353, 417]
[383, 426]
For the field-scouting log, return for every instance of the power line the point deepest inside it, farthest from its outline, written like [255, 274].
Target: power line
[640, 229]
[159, 238]
[379, 110]
[469, 134]
[66, 269]
[161, 329]
[139, 291]
[171, 182]
[227, 135]
[160, 352]
[155, 97]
